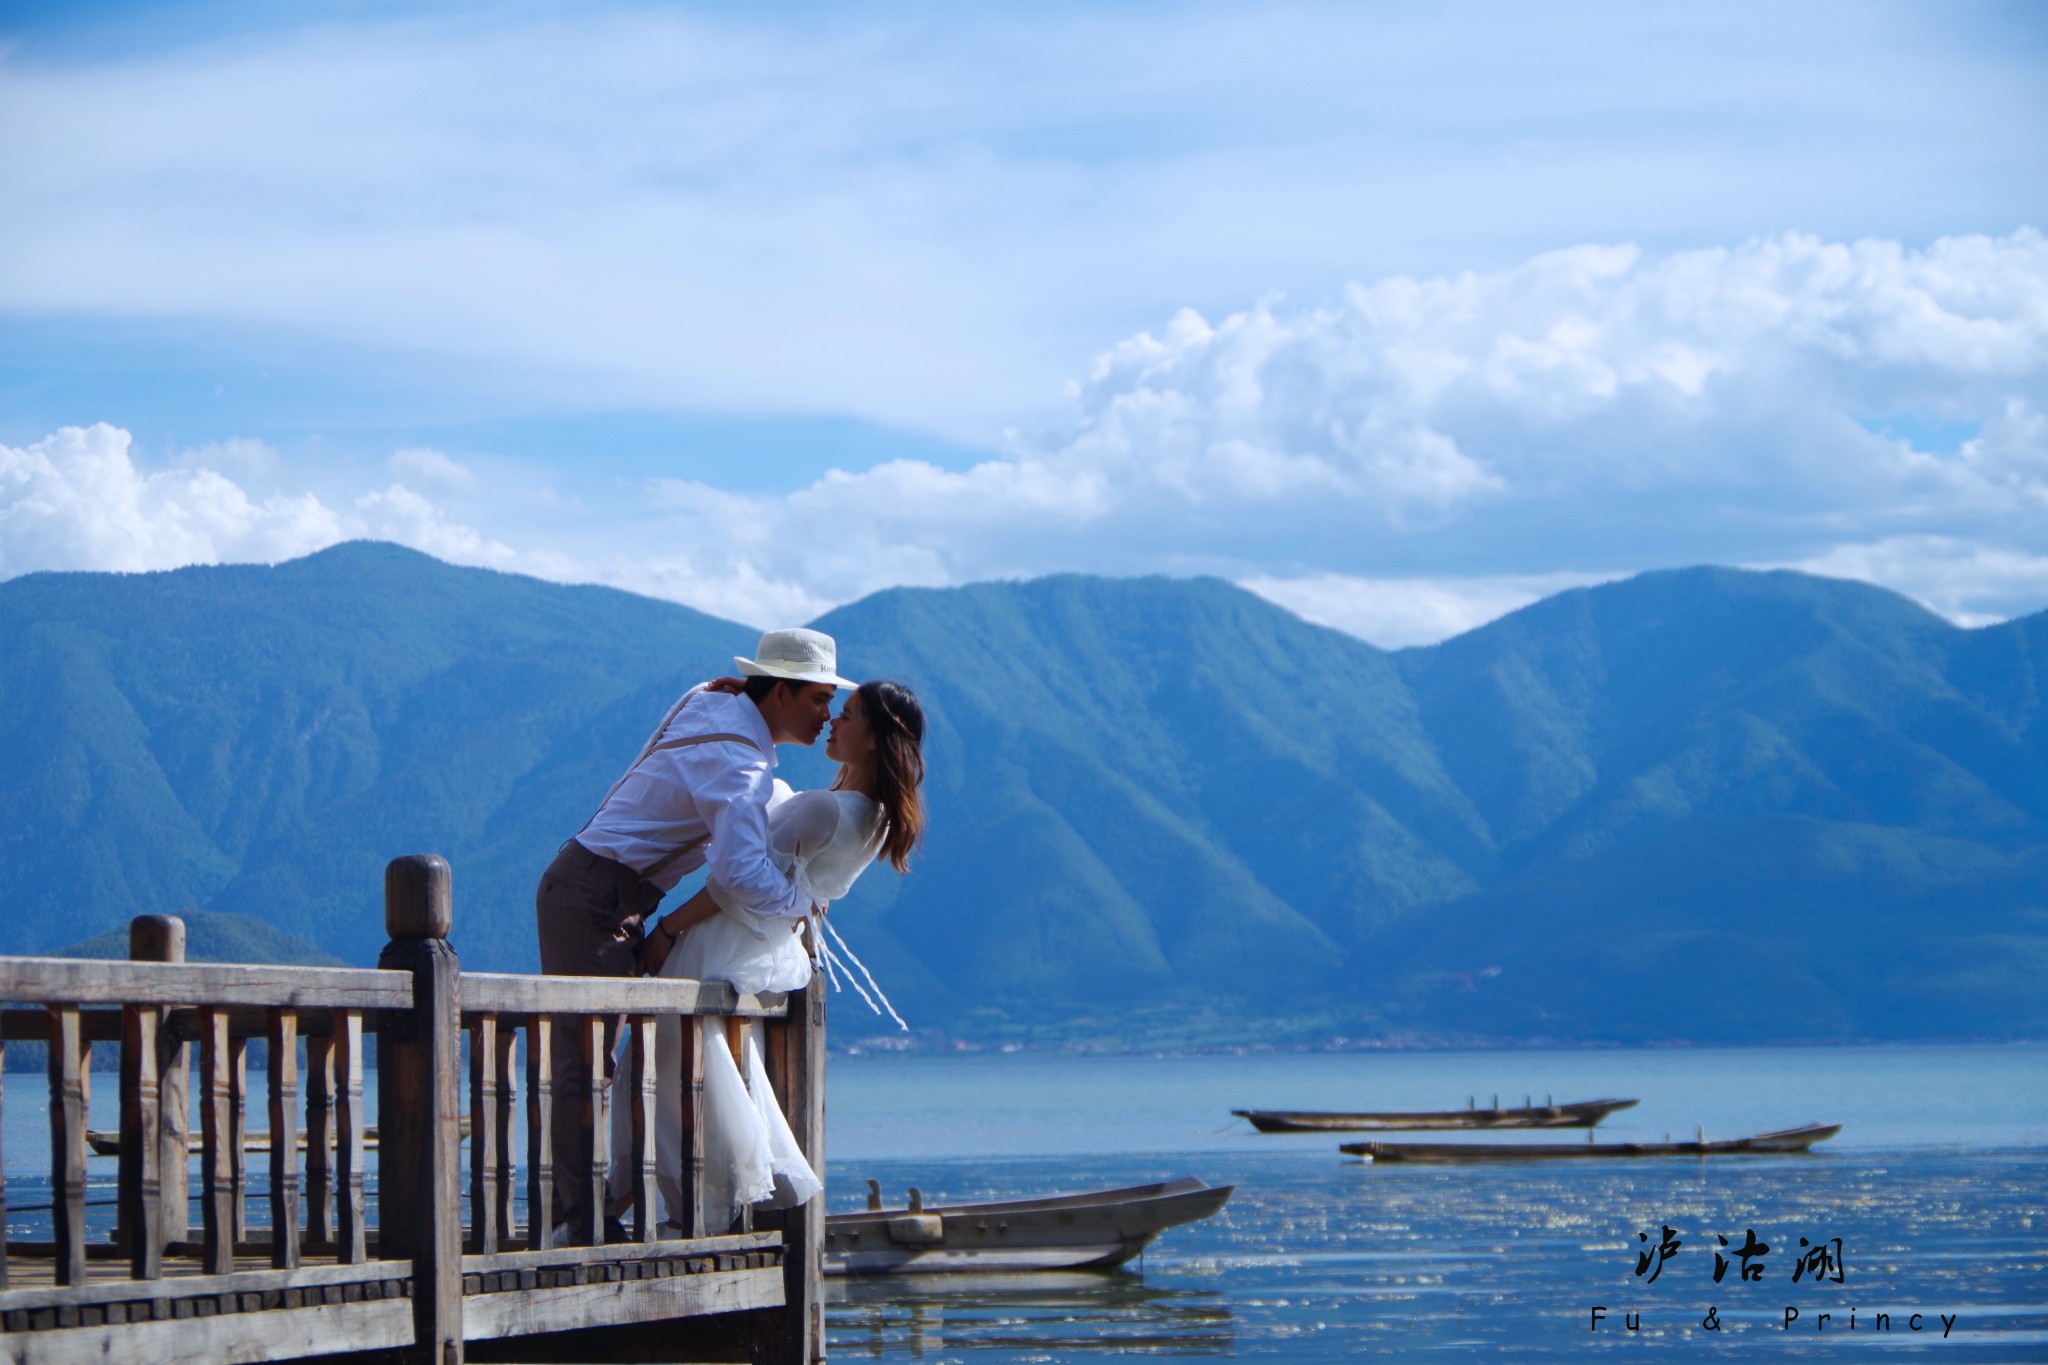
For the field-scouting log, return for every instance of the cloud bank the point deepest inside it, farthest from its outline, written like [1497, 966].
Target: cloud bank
[80, 500]
[922, 215]
[1403, 460]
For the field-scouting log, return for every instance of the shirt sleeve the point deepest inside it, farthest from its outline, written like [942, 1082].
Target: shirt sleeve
[731, 794]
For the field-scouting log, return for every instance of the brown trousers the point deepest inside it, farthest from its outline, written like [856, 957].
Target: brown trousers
[591, 910]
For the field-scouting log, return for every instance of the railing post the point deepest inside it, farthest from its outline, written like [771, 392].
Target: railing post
[795, 1333]
[419, 1106]
[155, 1111]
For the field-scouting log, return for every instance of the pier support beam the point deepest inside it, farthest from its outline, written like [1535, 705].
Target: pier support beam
[155, 1109]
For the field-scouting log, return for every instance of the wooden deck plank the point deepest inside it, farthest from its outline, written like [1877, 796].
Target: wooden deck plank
[739, 1242]
[612, 1303]
[184, 1279]
[228, 1338]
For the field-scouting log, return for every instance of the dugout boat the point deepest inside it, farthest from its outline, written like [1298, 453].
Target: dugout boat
[107, 1142]
[1096, 1230]
[1578, 1114]
[1785, 1140]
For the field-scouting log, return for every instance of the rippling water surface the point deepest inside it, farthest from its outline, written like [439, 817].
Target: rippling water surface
[1937, 1188]
[1317, 1259]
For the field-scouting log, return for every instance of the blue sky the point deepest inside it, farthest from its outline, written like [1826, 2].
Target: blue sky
[1400, 314]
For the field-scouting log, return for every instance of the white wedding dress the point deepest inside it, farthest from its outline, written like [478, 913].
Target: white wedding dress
[824, 840]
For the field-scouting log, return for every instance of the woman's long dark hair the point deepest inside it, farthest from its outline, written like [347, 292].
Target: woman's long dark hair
[897, 723]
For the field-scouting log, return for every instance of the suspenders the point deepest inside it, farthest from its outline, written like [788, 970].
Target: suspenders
[655, 745]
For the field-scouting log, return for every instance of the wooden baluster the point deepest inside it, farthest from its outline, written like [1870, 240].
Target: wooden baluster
[217, 1130]
[592, 1027]
[348, 1146]
[3, 1176]
[238, 1121]
[692, 1175]
[736, 1044]
[419, 1106]
[508, 1099]
[483, 1135]
[644, 1075]
[161, 938]
[138, 1225]
[284, 1139]
[174, 1135]
[319, 1140]
[540, 1127]
[68, 1080]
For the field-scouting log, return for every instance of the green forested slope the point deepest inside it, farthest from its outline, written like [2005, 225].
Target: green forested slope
[1706, 804]
[261, 741]
[214, 937]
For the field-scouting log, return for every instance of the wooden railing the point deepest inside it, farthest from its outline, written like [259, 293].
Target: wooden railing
[416, 1278]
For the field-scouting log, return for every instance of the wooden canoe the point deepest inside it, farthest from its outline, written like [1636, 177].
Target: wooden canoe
[106, 1142]
[1579, 1114]
[1095, 1230]
[1782, 1141]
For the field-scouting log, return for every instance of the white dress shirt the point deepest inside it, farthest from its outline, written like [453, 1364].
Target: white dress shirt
[712, 798]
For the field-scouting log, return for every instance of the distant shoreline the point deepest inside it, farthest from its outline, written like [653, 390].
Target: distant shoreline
[950, 1047]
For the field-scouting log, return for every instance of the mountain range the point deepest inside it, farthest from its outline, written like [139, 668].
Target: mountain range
[1704, 805]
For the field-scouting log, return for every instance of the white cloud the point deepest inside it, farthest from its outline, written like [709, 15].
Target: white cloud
[1396, 612]
[432, 468]
[1970, 583]
[76, 500]
[410, 518]
[1588, 413]
[247, 460]
[924, 216]
[1404, 461]
[79, 500]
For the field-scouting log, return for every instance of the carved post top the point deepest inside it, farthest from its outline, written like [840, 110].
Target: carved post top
[418, 900]
[156, 938]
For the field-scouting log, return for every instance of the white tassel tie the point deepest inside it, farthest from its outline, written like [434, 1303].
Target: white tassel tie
[830, 959]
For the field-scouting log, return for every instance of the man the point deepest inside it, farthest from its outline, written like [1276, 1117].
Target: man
[697, 797]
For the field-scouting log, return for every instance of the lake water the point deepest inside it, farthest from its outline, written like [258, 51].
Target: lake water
[1937, 1189]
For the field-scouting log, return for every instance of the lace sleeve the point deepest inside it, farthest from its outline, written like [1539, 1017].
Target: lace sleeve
[804, 826]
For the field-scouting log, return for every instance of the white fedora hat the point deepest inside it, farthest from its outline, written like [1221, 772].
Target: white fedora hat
[798, 655]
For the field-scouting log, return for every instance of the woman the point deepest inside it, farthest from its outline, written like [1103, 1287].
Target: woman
[824, 839]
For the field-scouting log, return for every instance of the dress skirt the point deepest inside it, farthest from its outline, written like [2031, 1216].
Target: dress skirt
[751, 1158]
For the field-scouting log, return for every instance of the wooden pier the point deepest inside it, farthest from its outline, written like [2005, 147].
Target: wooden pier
[425, 1283]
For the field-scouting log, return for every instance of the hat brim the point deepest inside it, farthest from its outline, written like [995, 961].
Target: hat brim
[749, 669]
